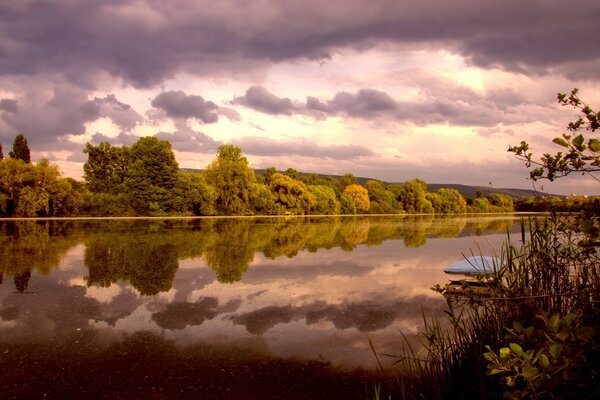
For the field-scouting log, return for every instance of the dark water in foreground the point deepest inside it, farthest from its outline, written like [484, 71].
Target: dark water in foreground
[219, 308]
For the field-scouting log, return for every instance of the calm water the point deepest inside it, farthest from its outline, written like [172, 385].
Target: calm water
[219, 308]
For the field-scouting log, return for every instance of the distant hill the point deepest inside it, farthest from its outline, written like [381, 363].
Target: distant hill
[465, 190]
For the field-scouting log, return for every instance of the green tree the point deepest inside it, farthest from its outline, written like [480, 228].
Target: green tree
[580, 154]
[106, 168]
[382, 200]
[231, 176]
[347, 180]
[359, 196]
[20, 149]
[413, 198]
[268, 174]
[292, 173]
[151, 176]
[502, 202]
[291, 195]
[326, 202]
[347, 206]
[452, 202]
[14, 176]
[192, 195]
[33, 203]
[262, 200]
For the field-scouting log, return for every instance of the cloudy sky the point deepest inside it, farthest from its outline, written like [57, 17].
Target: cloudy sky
[385, 89]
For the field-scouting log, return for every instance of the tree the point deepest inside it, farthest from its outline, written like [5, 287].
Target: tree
[268, 174]
[106, 168]
[347, 180]
[151, 175]
[262, 200]
[580, 154]
[192, 195]
[291, 195]
[1, 153]
[326, 202]
[360, 197]
[20, 149]
[382, 200]
[452, 202]
[231, 176]
[413, 197]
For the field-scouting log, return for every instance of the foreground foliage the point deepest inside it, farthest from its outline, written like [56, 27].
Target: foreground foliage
[534, 334]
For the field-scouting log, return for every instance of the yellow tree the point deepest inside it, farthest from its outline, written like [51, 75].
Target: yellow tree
[360, 197]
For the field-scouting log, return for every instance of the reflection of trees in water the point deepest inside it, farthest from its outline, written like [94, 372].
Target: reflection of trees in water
[148, 261]
[29, 245]
[232, 247]
[22, 281]
[146, 252]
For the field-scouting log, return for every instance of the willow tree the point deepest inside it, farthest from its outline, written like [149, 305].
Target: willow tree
[231, 175]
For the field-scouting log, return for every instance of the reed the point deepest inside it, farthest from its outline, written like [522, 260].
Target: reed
[545, 293]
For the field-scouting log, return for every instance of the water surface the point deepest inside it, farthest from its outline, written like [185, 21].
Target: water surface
[224, 307]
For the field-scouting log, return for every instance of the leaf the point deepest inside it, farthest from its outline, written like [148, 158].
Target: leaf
[553, 323]
[491, 356]
[544, 361]
[555, 350]
[517, 326]
[504, 353]
[494, 371]
[518, 350]
[594, 145]
[578, 142]
[560, 142]
[529, 372]
[529, 331]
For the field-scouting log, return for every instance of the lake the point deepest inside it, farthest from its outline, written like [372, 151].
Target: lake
[220, 307]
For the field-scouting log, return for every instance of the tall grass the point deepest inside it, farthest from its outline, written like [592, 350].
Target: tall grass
[546, 272]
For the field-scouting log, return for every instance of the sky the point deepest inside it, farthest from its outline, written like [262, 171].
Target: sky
[392, 90]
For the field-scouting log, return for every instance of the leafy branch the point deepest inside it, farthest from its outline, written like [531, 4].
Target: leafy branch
[580, 155]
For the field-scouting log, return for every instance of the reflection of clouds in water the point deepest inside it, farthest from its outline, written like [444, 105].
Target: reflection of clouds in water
[178, 315]
[259, 321]
[364, 317]
[56, 311]
[316, 303]
[103, 294]
[188, 280]
[120, 306]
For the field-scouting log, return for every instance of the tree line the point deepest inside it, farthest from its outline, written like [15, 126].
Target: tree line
[145, 180]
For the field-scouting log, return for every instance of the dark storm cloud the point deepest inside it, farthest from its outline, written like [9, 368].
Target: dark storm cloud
[463, 108]
[260, 99]
[187, 139]
[9, 105]
[260, 146]
[177, 104]
[48, 112]
[365, 103]
[120, 113]
[146, 42]
[122, 139]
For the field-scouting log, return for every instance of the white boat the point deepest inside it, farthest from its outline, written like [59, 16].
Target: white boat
[474, 265]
